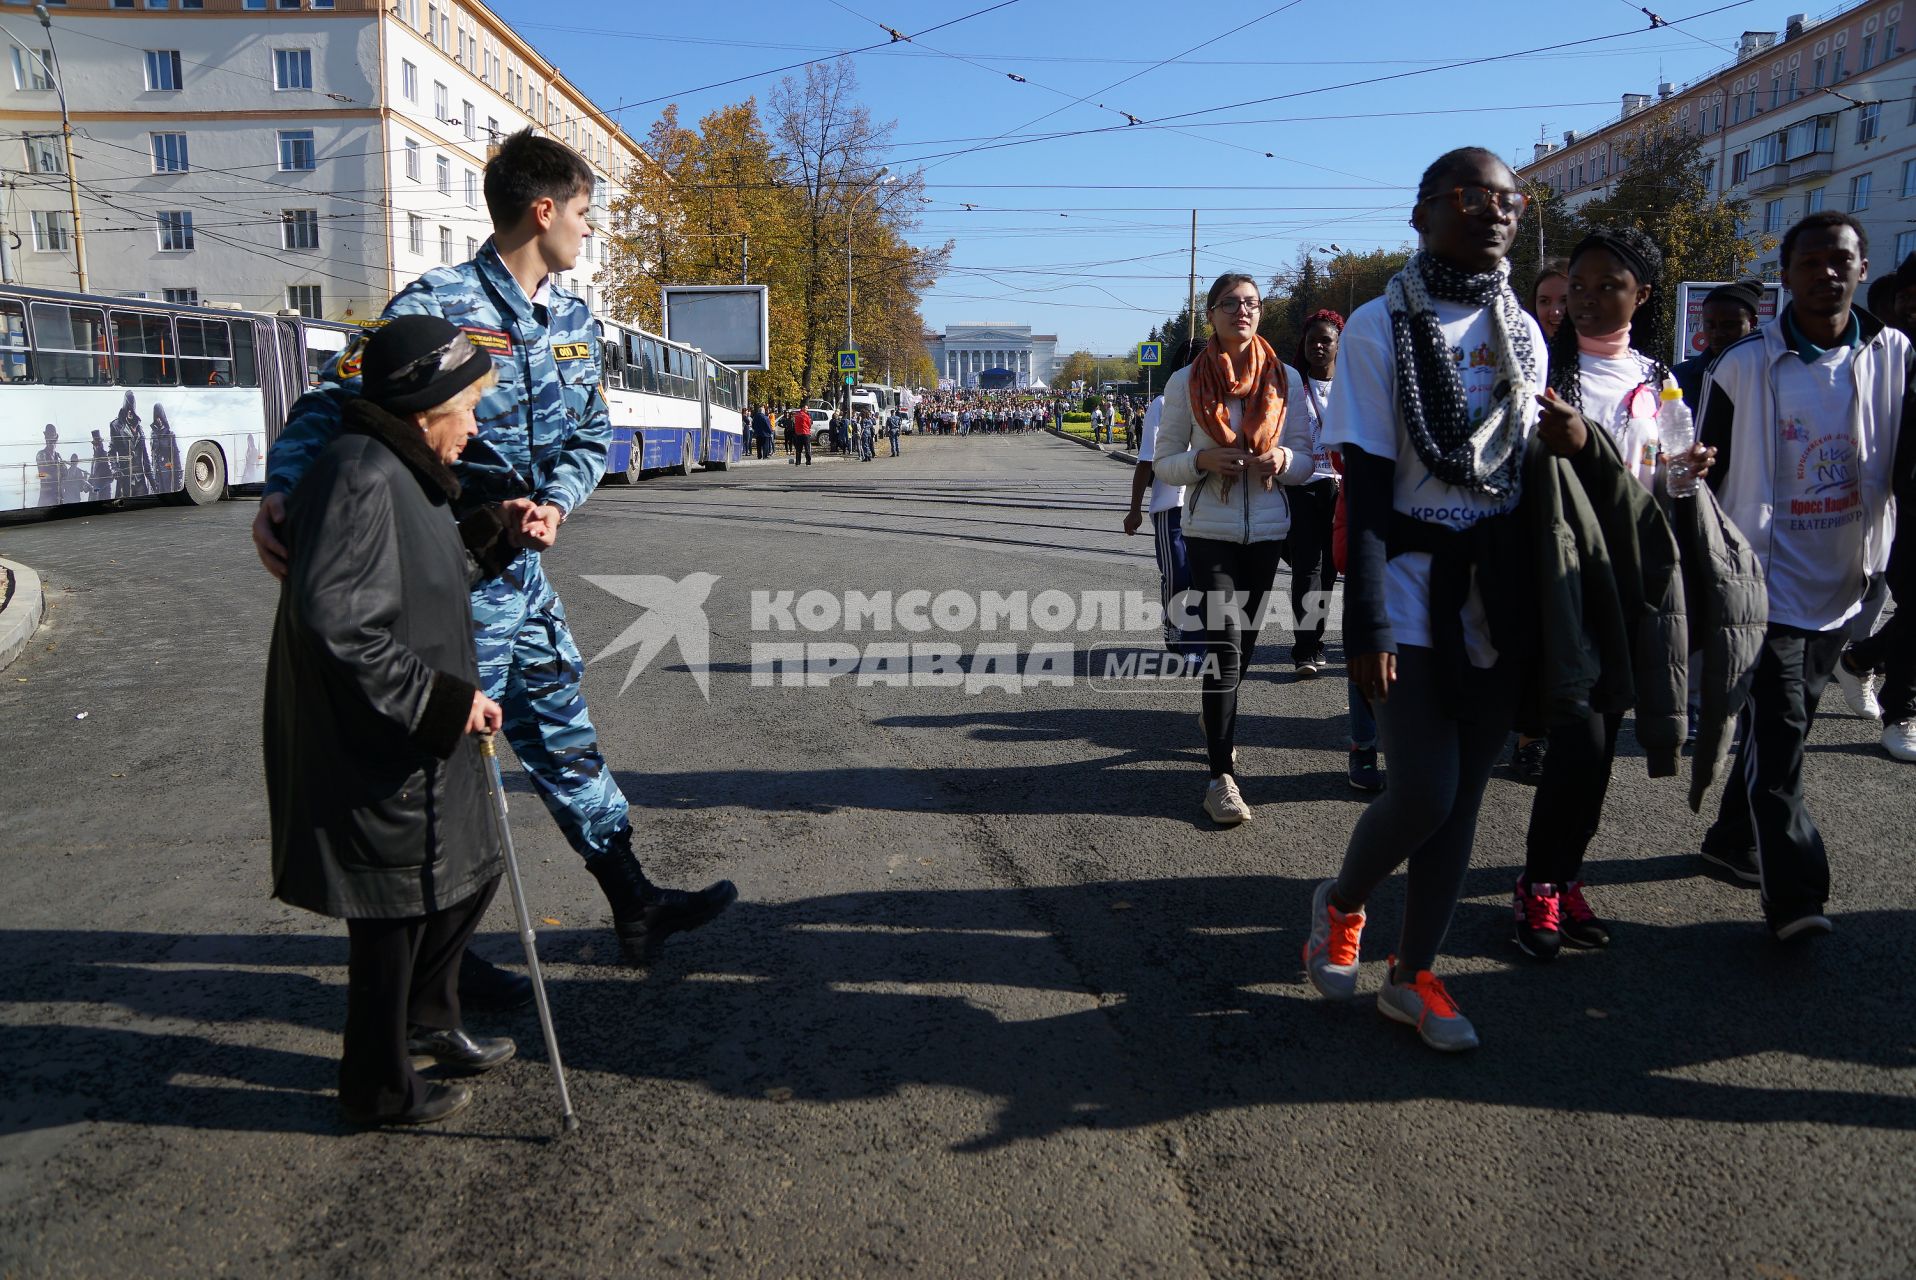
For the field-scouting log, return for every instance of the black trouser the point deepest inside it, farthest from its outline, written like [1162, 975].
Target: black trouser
[1241, 573]
[1892, 651]
[400, 974]
[1569, 801]
[1313, 507]
[1763, 806]
[804, 453]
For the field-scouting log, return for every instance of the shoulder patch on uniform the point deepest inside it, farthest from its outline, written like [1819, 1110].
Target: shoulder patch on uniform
[572, 351]
[351, 357]
[497, 341]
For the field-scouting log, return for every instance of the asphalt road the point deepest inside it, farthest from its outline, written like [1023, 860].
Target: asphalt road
[996, 999]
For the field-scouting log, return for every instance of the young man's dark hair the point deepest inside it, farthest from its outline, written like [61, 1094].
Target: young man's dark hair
[528, 167]
[1827, 218]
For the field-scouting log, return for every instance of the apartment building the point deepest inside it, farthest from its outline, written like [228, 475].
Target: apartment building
[1817, 115]
[307, 154]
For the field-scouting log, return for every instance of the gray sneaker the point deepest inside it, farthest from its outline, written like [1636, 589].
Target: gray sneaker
[1330, 953]
[1224, 804]
[1423, 1003]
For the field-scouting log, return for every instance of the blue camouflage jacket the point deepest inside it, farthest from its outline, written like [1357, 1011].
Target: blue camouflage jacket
[543, 430]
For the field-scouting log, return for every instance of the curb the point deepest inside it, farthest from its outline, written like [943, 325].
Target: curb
[1108, 451]
[21, 609]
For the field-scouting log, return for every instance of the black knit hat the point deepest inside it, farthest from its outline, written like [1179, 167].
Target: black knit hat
[414, 363]
[1747, 293]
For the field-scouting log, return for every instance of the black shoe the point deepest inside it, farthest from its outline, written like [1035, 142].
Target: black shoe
[1740, 863]
[1536, 919]
[1307, 668]
[486, 988]
[1364, 773]
[455, 1048]
[1527, 761]
[673, 911]
[441, 1100]
[1795, 925]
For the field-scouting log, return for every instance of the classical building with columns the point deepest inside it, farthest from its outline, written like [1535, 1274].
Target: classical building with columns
[964, 351]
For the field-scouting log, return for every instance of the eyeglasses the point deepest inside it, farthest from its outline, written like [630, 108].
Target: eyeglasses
[438, 361]
[1473, 201]
[1236, 304]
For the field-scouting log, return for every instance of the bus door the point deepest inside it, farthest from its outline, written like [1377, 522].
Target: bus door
[703, 370]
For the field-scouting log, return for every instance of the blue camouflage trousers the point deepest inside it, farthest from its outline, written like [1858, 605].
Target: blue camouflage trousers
[529, 665]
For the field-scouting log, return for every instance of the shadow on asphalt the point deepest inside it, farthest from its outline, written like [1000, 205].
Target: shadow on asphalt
[1129, 1004]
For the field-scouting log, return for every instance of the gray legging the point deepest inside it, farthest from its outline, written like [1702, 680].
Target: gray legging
[1439, 766]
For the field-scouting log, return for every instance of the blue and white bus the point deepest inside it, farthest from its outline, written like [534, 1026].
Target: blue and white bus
[671, 405]
[103, 398]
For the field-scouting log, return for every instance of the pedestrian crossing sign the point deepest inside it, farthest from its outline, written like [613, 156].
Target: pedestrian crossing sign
[848, 362]
[1150, 353]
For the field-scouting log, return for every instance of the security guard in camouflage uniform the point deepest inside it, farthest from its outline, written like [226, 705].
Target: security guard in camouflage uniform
[541, 448]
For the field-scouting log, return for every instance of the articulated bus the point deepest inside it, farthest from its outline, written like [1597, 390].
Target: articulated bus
[106, 398]
[671, 405]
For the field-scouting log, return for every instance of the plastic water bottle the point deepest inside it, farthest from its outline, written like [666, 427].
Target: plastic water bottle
[1676, 435]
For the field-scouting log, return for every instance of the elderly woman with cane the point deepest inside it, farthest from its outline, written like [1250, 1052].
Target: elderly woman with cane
[379, 794]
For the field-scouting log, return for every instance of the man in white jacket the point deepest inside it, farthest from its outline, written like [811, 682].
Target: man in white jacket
[1806, 415]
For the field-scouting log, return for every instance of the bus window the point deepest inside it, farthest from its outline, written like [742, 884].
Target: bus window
[245, 367]
[206, 352]
[612, 363]
[16, 364]
[145, 346]
[70, 343]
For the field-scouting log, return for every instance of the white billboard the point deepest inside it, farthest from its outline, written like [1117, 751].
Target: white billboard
[729, 322]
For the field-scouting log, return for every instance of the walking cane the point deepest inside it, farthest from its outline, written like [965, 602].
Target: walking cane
[525, 935]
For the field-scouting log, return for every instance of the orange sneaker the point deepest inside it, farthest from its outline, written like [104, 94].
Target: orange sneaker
[1423, 1003]
[1330, 953]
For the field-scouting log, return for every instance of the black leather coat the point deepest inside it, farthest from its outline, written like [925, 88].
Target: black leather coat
[379, 798]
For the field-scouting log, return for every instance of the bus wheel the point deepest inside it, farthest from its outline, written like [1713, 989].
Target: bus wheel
[684, 467]
[205, 475]
[716, 465]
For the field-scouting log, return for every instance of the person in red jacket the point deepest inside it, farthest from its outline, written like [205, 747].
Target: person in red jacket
[802, 429]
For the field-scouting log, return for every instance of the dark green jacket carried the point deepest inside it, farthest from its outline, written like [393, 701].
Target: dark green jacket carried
[1612, 634]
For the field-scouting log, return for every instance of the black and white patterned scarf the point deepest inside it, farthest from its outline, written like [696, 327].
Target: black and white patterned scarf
[1489, 458]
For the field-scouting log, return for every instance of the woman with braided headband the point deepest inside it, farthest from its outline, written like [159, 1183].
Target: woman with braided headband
[1437, 397]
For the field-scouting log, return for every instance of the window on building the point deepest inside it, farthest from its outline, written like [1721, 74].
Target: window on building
[1773, 216]
[445, 244]
[1740, 167]
[1807, 137]
[176, 230]
[1905, 244]
[1909, 181]
[408, 81]
[255, 4]
[169, 153]
[472, 248]
[1818, 68]
[297, 152]
[441, 102]
[415, 233]
[470, 121]
[492, 128]
[289, 4]
[443, 166]
[52, 230]
[299, 228]
[322, 4]
[292, 68]
[472, 189]
[1792, 86]
[305, 299]
[1890, 47]
[1766, 151]
[1814, 202]
[1776, 92]
[1869, 122]
[181, 297]
[432, 24]
[1859, 193]
[1736, 109]
[162, 70]
[31, 69]
[412, 159]
[1868, 57]
[1709, 175]
[45, 154]
[1840, 55]
[445, 30]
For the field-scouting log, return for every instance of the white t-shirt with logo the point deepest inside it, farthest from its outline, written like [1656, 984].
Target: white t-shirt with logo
[1163, 496]
[1316, 395]
[1619, 397]
[1815, 552]
[1365, 414]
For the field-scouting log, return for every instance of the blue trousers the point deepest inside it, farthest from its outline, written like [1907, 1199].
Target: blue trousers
[529, 665]
[1174, 578]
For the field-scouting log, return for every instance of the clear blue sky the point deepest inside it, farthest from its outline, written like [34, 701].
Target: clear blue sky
[1087, 237]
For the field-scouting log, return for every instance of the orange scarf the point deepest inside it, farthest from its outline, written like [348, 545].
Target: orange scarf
[1260, 383]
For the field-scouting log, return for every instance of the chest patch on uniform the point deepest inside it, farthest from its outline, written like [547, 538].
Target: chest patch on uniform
[572, 351]
[497, 341]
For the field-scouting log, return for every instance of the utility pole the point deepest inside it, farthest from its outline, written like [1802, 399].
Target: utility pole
[1190, 329]
[850, 213]
[66, 137]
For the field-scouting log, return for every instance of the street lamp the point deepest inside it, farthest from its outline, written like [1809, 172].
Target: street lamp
[66, 136]
[884, 179]
[1350, 284]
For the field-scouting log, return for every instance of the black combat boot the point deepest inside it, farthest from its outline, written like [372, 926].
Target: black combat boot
[644, 915]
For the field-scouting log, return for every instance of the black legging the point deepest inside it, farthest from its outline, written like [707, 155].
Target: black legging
[1313, 507]
[1243, 574]
[1569, 801]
